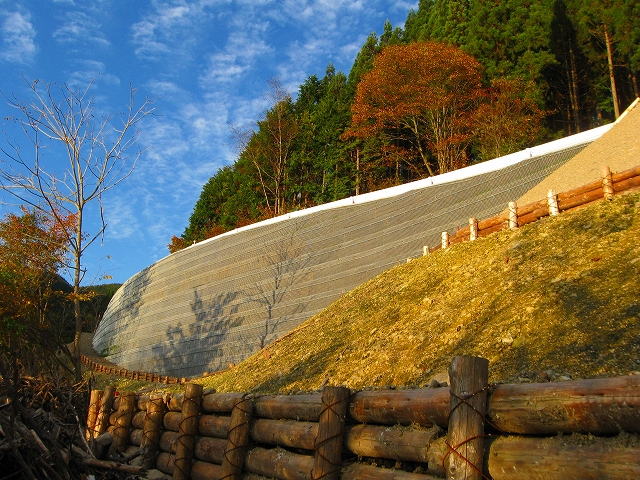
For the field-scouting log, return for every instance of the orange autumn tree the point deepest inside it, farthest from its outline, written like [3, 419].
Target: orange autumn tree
[32, 251]
[421, 98]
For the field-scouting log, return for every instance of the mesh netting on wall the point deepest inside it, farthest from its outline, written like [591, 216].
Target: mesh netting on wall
[220, 301]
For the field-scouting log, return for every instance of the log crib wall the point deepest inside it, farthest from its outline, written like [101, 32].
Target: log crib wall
[582, 429]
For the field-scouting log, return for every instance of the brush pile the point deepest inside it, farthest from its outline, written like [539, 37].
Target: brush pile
[42, 435]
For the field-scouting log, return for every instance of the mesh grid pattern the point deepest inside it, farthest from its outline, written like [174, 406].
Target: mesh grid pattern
[218, 302]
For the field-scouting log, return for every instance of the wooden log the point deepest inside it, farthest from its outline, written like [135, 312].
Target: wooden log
[279, 464]
[284, 433]
[513, 215]
[607, 183]
[552, 200]
[425, 250]
[123, 423]
[602, 406]
[152, 430]
[168, 441]
[199, 470]
[473, 229]
[220, 402]
[533, 216]
[563, 458]
[92, 416]
[135, 436]
[626, 185]
[188, 430]
[175, 402]
[233, 460]
[579, 200]
[445, 239]
[106, 404]
[210, 449]
[469, 378]
[461, 233]
[328, 447]
[137, 420]
[576, 192]
[389, 442]
[490, 230]
[492, 221]
[425, 407]
[626, 174]
[214, 426]
[358, 471]
[291, 407]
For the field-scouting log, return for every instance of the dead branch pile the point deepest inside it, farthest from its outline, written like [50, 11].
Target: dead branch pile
[42, 436]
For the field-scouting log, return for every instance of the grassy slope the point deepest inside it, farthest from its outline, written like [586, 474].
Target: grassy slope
[562, 294]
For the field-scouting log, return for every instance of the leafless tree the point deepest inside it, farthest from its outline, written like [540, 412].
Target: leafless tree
[91, 152]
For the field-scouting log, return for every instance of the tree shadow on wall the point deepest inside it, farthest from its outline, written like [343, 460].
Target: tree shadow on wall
[285, 265]
[200, 345]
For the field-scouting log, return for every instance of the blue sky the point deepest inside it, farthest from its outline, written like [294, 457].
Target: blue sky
[206, 63]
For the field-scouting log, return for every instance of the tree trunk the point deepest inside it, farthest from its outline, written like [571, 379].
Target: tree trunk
[614, 91]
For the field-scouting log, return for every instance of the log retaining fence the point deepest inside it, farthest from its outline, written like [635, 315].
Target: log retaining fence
[514, 216]
[469, 430]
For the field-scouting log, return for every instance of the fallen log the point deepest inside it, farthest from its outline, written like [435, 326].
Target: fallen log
[284, 433]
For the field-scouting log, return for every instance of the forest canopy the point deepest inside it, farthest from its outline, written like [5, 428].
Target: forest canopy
[462, 82]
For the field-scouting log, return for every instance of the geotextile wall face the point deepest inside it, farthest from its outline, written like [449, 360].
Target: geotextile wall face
[219, 301]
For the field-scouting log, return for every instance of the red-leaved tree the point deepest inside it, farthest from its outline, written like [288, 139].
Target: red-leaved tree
[421, 97]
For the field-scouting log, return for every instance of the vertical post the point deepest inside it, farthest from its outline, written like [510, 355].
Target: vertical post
[513, 215]
[607, 183]
[106, 405]
[124, 416]
[237, 440]
[552, 201]
[188, 430]
[328, 444]
[92, 416]
[445, 240]
[156, 409]
[426, 250]
[469, 377]
[473, 229]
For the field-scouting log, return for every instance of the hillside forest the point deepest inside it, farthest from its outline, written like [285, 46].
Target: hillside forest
[463, 81]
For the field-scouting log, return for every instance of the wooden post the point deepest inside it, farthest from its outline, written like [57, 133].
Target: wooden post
[445, 240]
[233, 460]
[188, 431]
[426, 250]
[607, 183]
[469, 377]
[92, 416]
[473, 229]
[123, 423]
[151, 431]
[106, 405]
[552, 201]
[328, 445]
[513, 215]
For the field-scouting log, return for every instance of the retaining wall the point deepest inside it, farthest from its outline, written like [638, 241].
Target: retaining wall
[219, 301]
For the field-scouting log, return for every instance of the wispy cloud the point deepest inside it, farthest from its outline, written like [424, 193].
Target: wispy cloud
[79, 27]
[18, 37]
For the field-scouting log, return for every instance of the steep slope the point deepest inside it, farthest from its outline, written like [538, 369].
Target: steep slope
[560, 297]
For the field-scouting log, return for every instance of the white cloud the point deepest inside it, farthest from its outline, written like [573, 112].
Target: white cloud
[18, 35]
[91, 70]
[80, 27]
